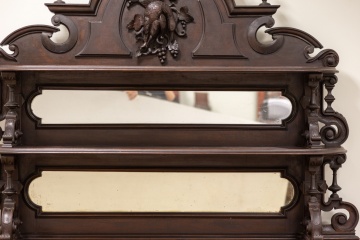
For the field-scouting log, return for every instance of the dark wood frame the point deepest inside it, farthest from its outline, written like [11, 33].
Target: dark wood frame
[217, 50]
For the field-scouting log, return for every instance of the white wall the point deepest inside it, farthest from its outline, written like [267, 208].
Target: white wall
[333, 22]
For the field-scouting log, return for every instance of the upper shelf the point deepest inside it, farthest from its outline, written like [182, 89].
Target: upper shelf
[174, 151]
[154, 69]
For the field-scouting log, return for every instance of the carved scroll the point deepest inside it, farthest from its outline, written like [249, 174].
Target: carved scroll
[260, 47]
[9, 219]
[12, 131]
[10, 57]
[314, 189]
[328, 57]
[69, 43]
[10, 39]
[335, 130]
[339, 221]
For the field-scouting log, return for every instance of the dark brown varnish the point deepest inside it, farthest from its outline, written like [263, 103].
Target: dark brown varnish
[212, 47]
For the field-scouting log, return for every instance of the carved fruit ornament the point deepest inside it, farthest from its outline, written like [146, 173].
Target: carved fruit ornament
[158, 27]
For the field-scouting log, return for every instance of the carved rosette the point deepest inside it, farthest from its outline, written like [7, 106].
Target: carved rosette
[158, 27]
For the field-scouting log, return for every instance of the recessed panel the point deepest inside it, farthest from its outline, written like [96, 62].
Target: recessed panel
[160, 107]
[175, 192]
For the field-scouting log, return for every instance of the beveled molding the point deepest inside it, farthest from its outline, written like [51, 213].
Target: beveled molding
[255, 10]
[283, 170]
[89, 9]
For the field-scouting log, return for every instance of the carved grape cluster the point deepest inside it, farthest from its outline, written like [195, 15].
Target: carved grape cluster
[162, 55]
[158, 30]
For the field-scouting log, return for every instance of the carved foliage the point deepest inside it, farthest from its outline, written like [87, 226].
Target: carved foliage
[158, 26]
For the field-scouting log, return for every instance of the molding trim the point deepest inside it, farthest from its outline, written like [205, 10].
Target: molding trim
[75, 9]
[256, 10]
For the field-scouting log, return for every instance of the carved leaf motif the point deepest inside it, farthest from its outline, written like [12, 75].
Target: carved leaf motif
[184, 15]
[137, 23]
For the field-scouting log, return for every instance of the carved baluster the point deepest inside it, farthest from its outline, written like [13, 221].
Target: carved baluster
[330, 82]
[9, 222]
[11, 133]
[313, 193]
[335, 164]
[313, 136]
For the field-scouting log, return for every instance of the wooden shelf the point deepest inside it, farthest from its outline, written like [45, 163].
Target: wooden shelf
[237, 69]
[173, 150]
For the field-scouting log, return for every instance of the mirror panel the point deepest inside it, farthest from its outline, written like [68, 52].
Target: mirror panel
[210, 192]
[160, 107]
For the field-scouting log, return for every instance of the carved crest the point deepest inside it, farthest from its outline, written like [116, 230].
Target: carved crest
[158, 27]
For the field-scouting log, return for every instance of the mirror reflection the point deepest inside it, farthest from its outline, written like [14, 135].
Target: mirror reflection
[68, 191]
[160, 107]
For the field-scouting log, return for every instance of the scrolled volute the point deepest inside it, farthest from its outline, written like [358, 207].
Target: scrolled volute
[12, 56]
[262, 48]
[69, 43]
[329, 57]
[339, 221]
[336, 130]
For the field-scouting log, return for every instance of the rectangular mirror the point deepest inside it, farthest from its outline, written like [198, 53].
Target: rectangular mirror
[68, 191]
[160, 107]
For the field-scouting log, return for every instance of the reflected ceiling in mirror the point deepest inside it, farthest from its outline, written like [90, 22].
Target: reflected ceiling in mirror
[160, 107]
[210, 192]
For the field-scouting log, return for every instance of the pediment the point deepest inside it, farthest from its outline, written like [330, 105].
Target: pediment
[149, 33]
